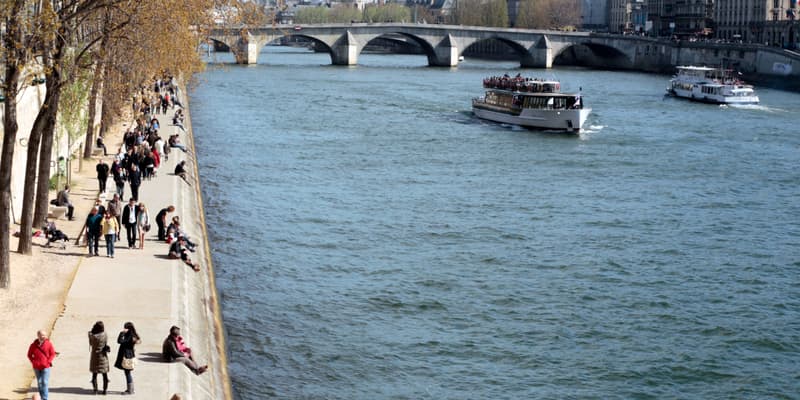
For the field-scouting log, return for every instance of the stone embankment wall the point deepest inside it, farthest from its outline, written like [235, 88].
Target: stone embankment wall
[758, 64]
[29, 102]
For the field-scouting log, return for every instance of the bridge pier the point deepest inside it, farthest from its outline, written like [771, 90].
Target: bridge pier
[345, 50]
[541, 55]
[445, 53]
[246, 49]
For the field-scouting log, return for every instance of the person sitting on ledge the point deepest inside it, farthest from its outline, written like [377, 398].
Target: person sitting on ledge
[180, 170]
[62, 199]
[178, 250]
[175, 141]
[171, 352]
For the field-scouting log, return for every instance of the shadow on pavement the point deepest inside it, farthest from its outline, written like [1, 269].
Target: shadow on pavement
[152, 357]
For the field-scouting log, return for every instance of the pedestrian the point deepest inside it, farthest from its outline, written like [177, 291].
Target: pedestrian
[126, 355]
[93, 229]
[110, 229]
[102, 174]
[163, 151]
[101, 145]
[98, 204]
[143, 223]
[161, 222]
[115, 207]
[130, 216]
[98, 361]
[119, 176]
[41, 354]
[134, 180]
[171, 351]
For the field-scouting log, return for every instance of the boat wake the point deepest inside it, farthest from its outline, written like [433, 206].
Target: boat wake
[755, 107]
[587, 132]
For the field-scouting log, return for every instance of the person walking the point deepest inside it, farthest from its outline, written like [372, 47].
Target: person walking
[102, 174]
[115, 207]
[127, 339]
[161, 221]
[93, 229]
[110, 229]
[129, 218]
[98, 361]
[41, 354]
[143, 223]
[134, 180]
[119, 177]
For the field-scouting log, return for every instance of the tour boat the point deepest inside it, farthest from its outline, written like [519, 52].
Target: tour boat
[711, 85]
[531, 103]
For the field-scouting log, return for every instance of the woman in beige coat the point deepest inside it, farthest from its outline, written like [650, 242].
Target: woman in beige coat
[98, 361]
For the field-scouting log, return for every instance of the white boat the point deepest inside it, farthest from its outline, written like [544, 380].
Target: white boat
[711, 85]
[531, 103]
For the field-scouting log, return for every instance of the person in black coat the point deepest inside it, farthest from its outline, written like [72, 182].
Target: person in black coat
[134, 180]
[127, 339]
[102, 174]
[161, 221]
[130, 218]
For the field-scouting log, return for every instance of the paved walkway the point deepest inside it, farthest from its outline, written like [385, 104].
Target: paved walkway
[153, 292]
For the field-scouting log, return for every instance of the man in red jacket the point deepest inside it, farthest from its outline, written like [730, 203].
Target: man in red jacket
[41, 354]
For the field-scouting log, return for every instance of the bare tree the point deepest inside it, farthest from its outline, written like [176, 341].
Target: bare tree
[481, 13]
[556, 14]
[14, 49]
[526, 16]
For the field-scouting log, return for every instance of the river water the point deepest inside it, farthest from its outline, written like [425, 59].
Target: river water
[374, 240]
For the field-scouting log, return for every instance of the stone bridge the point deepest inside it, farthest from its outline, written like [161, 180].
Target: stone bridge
[444, 44]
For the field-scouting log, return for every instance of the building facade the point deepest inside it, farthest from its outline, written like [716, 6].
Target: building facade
[771, 22]
[594, 14]
[627, 16]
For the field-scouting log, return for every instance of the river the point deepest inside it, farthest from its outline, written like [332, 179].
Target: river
[374, 240]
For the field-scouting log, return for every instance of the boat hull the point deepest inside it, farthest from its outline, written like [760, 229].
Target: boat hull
[568, 120]
[712, 99]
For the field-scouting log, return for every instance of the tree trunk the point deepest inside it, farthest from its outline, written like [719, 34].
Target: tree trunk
[46, 153]
[54, 86]
[97, 84]
[26, 221]
[12, 43]
[10, 128]
[39, 145]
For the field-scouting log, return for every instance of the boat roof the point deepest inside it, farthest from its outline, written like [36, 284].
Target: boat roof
[537, 94]
[694, 68]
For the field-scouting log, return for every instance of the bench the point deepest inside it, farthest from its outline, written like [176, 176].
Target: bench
[56, 212]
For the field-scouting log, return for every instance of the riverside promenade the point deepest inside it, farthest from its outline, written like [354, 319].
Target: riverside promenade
[150, 290]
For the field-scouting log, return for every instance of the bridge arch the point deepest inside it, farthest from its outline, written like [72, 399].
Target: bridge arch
[526, 59]
[427, 48]
[317, 42]
[591, 54]
[219, 45]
